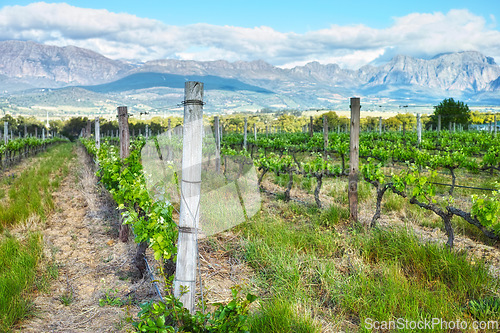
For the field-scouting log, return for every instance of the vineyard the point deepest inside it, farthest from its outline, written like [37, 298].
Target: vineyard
[276, 229]
[439, 176]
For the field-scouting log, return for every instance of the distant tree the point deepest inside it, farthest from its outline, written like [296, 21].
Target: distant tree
[451, 111]
[332, 118]
[72, 127]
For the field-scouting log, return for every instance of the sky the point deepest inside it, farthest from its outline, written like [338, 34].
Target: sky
[282, 33]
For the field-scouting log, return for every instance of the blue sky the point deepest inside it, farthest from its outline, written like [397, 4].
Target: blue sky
[283, 33]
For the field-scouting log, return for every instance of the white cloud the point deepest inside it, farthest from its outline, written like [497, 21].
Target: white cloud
[119, 35]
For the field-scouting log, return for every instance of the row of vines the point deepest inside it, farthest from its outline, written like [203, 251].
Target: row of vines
[392, 162]
[15, 150]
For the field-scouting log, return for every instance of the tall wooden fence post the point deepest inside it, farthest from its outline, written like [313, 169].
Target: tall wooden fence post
[43, 133]
[217, 144]
[187, 255]
[380, 126]
[97, 133]
[245, 130]
[311, 133]
[419, 129]
[325, 133]
[5, 132]
[354, 159]
[88, 129]
[124, 153]
[439, 123]
[255, 132]
[495, 123]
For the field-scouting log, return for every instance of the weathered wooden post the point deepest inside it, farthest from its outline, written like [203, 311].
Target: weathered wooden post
[495, 122]
[325, 133]
[255, 132]
[36, 132]
[380, 126]
[5, 132]
[124, 153]
[439, 123]
[43, 133]
[419, 129]
[217, 144]
[245, 130]
[187, 256]
[311, 133]
[97, 133]
[88, 129]
[449, 126]
[354, 159]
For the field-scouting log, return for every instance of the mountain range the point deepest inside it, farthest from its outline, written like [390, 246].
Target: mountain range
[36, 74]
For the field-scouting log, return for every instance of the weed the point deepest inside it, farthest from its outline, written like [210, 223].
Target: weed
[66, 298]
[280, 316]
[111, 299]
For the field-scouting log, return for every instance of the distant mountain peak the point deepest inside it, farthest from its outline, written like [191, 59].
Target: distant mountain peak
[461, 74]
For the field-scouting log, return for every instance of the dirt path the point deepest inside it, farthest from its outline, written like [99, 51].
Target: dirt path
[81, 235]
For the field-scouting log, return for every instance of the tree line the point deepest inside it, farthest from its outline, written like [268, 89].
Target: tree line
[451, 111]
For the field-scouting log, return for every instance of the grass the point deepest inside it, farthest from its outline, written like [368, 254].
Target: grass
[30, 192]
[22, 269]
[18, 262]
[310, 274]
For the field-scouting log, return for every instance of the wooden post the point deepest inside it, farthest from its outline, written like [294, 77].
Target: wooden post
[404, 129]
[419, 129]
[325, 133]
[495, 123]
[36, 132]
[217, 144]
[267, 130]
[97, 133]
[124, 153]
[449, 126]
[185, 274]
[169, 129]
[88, 129]
[5, 132]
[311, 127]
[454, 127]
[43, 133]
[25, 130]
[380, 126]
[245, 130]
[255, 132]
[439, 123]
[354, 159]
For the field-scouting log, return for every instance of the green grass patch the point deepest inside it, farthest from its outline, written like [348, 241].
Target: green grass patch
[280, 316]
[18, 262]
[30, 192]
[332, 215]
[392, 202]
[406, 279]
